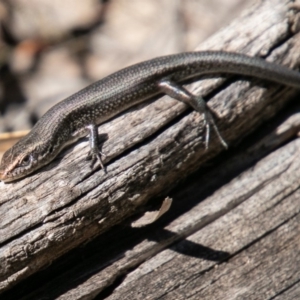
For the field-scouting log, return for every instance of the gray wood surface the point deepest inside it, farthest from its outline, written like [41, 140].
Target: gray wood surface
[240, 242]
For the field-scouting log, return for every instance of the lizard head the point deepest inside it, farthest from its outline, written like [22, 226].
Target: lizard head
[23, 158]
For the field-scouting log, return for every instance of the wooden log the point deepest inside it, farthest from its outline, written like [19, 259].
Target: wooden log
[255, 211]
[151, 148]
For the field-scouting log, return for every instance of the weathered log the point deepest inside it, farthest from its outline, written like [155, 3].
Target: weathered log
[150, 149]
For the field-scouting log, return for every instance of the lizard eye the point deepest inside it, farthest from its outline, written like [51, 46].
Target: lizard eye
[26, 161]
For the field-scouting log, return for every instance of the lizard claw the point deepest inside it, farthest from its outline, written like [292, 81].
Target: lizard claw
[95, 156]
[209, 121]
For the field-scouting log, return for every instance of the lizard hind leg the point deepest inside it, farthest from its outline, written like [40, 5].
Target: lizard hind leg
[181, 94]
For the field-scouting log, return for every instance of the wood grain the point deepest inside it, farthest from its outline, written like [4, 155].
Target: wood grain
[150, 149]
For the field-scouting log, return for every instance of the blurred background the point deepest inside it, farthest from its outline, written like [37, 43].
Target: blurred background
[50, 49]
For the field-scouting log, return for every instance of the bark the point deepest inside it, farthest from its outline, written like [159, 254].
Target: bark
[149, 150]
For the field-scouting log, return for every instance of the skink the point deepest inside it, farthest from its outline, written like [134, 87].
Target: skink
[81, 113]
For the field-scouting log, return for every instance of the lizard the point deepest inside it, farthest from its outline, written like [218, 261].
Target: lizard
[80, 114]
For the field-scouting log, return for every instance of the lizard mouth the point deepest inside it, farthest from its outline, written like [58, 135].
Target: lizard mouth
[8, 176]
[4, 176]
